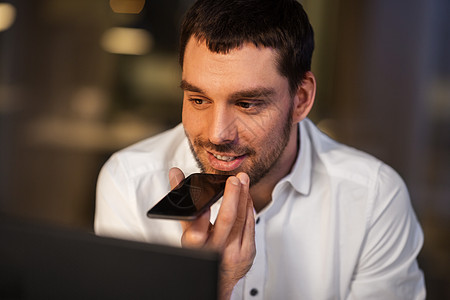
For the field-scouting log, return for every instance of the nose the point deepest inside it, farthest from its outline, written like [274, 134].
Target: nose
[223, 126]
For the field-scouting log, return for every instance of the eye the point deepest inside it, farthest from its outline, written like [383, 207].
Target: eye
[196, 101]
[199, 103]
[245, 104]
[251, 106]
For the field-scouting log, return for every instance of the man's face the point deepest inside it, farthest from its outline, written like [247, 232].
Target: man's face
[237, 109]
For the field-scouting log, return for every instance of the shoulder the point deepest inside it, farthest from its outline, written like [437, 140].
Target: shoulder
[360, 182]
[346, 163]
[133, 180]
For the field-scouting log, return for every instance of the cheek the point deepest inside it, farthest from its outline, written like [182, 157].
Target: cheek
[184, 115]
[262, 126]
[192, 121]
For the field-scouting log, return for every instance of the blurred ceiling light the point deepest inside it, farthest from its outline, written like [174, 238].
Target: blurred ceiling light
[7, 15]
[127, 6]
[121, 40]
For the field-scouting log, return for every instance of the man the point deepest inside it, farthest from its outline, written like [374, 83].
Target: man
[302, 217]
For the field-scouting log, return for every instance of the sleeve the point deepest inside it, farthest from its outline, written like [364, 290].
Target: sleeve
[387, 267]
[116, 213]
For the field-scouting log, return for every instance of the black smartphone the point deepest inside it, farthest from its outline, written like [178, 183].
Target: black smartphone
[190, 198]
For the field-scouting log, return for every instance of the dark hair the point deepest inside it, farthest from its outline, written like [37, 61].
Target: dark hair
[280, 24]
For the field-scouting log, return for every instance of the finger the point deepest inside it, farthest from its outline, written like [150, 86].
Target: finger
[186, 224]
[196, 233]
[175, 177]
[239, 224]
[248, 237]
[227, 214]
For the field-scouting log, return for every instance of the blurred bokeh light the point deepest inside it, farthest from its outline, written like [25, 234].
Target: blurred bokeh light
[131, 41]
[7, 15]
[127, 6]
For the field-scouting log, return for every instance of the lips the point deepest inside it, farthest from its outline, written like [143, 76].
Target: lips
[225, 162]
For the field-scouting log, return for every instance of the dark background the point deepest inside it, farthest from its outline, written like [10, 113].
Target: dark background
[67, 103]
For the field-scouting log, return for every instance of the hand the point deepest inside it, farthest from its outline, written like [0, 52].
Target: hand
[233, 233]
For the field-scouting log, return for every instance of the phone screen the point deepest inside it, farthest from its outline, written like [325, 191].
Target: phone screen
[190, 198]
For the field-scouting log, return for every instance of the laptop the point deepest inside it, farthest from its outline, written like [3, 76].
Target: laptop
[43, 262]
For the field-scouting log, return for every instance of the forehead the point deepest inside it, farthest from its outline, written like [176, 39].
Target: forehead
[247, 65]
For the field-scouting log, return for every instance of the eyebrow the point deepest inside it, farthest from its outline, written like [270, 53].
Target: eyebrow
[186, 86]
[256, 93]
[259, 92]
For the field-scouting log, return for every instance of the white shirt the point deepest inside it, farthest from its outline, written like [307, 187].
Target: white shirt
[340, 225]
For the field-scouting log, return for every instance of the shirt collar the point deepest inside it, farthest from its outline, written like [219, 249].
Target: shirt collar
[300, 175]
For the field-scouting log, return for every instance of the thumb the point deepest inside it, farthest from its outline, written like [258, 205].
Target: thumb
[175, 177]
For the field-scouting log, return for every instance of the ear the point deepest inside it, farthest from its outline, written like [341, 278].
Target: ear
[304, 97]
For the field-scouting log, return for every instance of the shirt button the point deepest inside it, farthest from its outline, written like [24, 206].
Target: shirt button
[257, 220]
[253, 292]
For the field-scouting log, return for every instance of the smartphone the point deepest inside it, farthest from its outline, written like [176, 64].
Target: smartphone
[189, 199]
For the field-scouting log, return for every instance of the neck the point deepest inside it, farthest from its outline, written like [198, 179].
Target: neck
[261, 192]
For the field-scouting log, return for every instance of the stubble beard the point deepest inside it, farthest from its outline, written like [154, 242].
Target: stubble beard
[258, 167]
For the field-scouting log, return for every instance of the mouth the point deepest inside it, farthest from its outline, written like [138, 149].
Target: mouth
[225, 162]
[224, 157]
